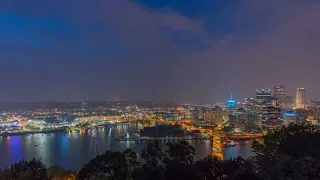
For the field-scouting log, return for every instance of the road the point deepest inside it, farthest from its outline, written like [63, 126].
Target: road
[219, 138]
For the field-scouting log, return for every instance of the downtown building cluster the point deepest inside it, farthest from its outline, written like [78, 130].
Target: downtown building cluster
[269, 109]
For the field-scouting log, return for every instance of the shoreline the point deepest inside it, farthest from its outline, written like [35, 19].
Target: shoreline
[61, 130]
[32, 132]
[162, 138]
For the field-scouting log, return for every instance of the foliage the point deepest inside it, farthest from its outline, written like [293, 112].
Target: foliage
[180, 153]
[286, 146]
[35, 128]
[110, 165]
[33, 169]
[56, 172]
[82, 125]
[295, 168]
[211, 168]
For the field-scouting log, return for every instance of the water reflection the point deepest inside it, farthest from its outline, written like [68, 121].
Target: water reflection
[73, 150]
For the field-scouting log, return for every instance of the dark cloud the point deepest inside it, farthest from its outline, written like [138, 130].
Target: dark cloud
[104, 46]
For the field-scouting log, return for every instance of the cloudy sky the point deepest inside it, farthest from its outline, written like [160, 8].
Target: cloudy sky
[165, 50]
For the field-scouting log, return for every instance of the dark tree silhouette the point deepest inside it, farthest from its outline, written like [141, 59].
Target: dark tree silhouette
[56, 172]
[33, 169]
[290, 145]
[110, 165]
[154, 157]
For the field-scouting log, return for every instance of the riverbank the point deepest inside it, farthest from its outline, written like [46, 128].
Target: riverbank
[162, 138]
[33, 132]
[57, 130]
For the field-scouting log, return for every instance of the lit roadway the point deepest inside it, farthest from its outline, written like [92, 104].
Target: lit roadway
[218, 136]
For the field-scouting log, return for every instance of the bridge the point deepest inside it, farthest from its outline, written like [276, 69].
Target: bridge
[218, 137]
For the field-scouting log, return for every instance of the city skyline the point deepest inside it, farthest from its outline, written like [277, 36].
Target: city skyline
[194, 52]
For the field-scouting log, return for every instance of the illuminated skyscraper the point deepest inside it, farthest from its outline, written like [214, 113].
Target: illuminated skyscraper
[279, 94]
[300, 98]
[263, 99]
[279, 91]
[271, 116]
[283, 101]
[231, 104]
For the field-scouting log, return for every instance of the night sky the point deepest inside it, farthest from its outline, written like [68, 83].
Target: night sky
[189, 51]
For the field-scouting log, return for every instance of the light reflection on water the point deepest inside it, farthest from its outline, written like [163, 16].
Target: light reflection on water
[73, 150]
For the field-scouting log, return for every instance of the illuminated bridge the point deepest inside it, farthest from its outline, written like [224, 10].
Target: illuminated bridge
[218, 138]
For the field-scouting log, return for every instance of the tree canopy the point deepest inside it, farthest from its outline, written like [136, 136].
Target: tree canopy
[282, 152]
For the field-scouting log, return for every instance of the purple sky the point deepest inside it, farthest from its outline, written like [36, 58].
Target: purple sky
[195, 52]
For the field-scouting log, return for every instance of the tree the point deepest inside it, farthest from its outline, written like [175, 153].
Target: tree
[110, 165]
[33, 169]
[291, 144]
[211, 168]
[174, 163]
[181, 152]
[292, 168]
[56, 172]
[154, 158]
[179, 161]
[153, 155]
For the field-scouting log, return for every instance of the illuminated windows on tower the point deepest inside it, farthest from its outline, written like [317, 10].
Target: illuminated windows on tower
[300, 98]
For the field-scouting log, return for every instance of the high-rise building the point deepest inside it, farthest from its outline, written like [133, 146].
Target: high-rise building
[279, 91]
[287, 103]
[198, 113]
[300, 98]
[231, 104]
[271, 116]
[215, 115]
[279, 95]
[247, 103]
[263, 99]
[283, 101]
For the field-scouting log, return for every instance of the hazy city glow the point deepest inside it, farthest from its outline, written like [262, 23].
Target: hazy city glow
[79, 78]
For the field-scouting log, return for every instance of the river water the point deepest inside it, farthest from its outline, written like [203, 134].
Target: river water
[73, 150]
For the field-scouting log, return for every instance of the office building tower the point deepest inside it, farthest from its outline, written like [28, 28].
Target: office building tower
[215, 115]
[272, 117]
[263, 99]
[231, 104]
[300, 98]
[283, 101]
[279, 95]
[247, 103]
[287, 103]
[198, 113]
[279, 91]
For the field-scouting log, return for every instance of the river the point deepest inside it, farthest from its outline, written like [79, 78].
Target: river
[73, 150]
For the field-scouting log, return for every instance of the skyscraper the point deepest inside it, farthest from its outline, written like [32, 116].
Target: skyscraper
[271, 116]
[263, 99]
[283, 101]
[278, 91]
[279, 95]
[300, 98]
[231, 104]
